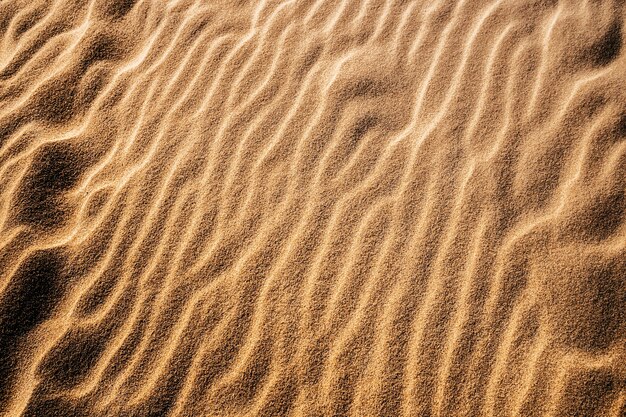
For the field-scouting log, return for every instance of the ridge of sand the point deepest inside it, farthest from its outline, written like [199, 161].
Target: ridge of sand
[312, 208]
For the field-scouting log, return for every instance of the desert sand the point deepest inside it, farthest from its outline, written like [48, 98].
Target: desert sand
[312, 208]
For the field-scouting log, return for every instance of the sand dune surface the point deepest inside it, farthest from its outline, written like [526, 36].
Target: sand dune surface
[312, 208]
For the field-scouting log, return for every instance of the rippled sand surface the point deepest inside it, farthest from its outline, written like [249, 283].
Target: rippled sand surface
[312, 208]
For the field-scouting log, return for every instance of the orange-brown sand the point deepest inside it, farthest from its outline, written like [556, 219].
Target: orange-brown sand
[312, 208]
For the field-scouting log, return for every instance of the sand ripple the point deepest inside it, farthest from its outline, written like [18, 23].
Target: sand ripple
[315, 208]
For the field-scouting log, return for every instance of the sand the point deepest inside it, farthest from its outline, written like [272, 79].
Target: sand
[312, 208]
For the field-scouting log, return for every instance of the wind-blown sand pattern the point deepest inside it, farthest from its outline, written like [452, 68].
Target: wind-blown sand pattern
[312, 208]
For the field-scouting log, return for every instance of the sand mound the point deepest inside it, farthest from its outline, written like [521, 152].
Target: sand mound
[312, 208]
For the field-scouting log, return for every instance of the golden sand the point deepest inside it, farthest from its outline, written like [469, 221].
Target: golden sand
[312, 208]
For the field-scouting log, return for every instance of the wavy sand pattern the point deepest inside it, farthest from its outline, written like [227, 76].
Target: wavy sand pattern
[312, 208]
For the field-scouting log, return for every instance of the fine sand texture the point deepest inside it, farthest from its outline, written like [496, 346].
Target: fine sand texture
[312, 208]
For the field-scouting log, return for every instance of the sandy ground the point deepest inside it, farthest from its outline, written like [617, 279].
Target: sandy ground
[312, 208]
